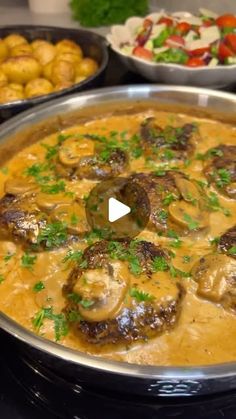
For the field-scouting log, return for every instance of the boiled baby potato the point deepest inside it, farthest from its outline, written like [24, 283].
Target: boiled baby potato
[79, 79]
[36, 43]
[3, 78]
[16, 86]
[44, 53]
[86, 67]
[63, 85]
[3, 50]
[47, 70]
[70, 57]
[38, 87]
[23, 49]
[14, 39]
[8, 94]
[62, 71]
[21, 69]
[66, 45]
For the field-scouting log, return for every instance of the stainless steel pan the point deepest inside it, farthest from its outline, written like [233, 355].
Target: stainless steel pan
[77, 367]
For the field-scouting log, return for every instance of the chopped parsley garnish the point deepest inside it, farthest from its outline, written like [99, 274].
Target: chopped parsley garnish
[73, 316]
[173, 235]
[159, 264]
[140, 296]
[39, 286]
[8, 257]
[60, 323]
[28, 261]
[86, 303]
[54, 188]
[162, 215]
[167, 154]
[178, 273]
[160, 172]
[222, 177]
[186, 259]
[77, 299]
[40, 173]
[213, 152]
[214, 241]
[213, 204]
[53, 235]
[232, 251]
[170, 197]
[74, 219]
[134, 265]
[73, 256]
[1, 278]
[192, 224]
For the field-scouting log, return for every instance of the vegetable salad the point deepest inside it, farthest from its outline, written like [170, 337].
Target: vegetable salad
[193, 41]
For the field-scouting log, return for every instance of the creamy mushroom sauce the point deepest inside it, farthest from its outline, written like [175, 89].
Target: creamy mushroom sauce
[205, 332]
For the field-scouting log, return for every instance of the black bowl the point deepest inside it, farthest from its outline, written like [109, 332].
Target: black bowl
[92, 45]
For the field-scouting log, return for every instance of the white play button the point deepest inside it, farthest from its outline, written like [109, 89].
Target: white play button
[116, 210]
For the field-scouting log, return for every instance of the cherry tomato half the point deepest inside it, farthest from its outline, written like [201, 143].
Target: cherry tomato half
[199, 51]
[182, 28]
[166, 20]
[224, 52]
[230, 41]
[175, 39]
[195, 62]
[143, 53]
[226, 21]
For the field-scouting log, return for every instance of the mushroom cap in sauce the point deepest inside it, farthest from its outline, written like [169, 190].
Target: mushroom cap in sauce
[104, 293]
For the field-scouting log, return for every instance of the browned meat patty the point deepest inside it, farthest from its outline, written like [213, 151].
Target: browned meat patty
[227, 242]
[221, 170]
[180, 141]
[17, 222]
[108, 293]
[38, 219]
[174, 200]
[94, 167]
[104, 163]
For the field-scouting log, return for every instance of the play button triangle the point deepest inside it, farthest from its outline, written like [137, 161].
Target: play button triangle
[116, 210]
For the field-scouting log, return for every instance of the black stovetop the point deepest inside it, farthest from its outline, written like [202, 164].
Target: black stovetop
[29, 394]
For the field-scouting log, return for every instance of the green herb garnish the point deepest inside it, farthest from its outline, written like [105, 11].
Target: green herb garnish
[60, 323]
[39, 286]
[192, 224]
[140, 296]
[28, 261]
[232, 251]
[53, 235]
[159, 264]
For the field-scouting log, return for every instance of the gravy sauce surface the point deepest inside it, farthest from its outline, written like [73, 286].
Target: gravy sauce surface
[205, 332]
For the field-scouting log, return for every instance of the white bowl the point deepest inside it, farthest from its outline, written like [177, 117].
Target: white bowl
[219, 76]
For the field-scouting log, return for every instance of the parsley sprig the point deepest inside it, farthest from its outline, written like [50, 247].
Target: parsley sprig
[60, 323]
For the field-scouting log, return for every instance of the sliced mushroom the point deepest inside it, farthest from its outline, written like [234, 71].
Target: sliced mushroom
[73, 149]
[105, 288]
[216, 277]
[188, 189]
[186, 214]
[19, 186]
[73, 214]
[47, 202]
